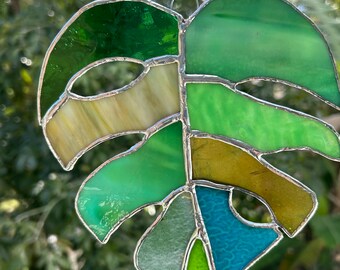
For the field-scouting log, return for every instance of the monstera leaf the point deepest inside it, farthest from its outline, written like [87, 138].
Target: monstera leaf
[202, 137]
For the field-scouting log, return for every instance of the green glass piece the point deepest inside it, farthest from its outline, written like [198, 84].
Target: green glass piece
[164, 247]
[131, 182]
[198, 259]
[120, 29]
[215, 109]
[243, 39]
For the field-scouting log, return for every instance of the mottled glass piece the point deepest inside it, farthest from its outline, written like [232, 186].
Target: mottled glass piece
[78, 125]
[198, 259]
[164, 247]
[118, 29]
[234, 244]
[216, 109]
[242, 39]
[223, 163]
[121, 186]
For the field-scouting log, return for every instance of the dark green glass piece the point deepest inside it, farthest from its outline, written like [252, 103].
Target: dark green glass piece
[198, 259]
[164, 247]
[120, 29]
[215, 109]
[124, 185]
[242, 39]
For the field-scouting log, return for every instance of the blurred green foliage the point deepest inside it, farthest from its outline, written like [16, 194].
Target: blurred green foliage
[39, 228]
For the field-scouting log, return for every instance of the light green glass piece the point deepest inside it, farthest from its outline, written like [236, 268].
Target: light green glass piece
[242, 39]
[124, 185]
[215, 109]
[116, 29]
[198, 259]
[164, 247]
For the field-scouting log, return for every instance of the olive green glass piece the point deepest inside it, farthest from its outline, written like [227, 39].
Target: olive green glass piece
[78, 125]
[165, 245]
[242, 39]
[218, 110]
[198, 259]
[290, 202]
[103, 30]
[122, 186]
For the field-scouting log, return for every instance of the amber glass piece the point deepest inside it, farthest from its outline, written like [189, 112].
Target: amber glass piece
[117, 29]
[80, 124]
[223, 163]
[241, 39]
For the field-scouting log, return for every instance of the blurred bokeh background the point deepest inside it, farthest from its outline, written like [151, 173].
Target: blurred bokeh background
[39, 228]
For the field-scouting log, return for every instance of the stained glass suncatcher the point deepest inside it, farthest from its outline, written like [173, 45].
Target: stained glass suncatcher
[202, 137]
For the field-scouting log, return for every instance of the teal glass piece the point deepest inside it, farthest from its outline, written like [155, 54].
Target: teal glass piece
[234, 244]
[242, 39]
[118, 29]
[124, 185]
[216, 109]
[164, 247]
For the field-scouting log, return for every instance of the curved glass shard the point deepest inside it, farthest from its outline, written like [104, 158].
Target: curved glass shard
[80, 124]
[198, 259]
[234, 244]
[101, 30]
[165, 245]
[242, 39]
[291, 203]
[216, 109]
[118, 188]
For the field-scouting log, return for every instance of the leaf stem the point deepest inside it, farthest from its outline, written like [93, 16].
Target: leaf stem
[184, 116]
[184, 108]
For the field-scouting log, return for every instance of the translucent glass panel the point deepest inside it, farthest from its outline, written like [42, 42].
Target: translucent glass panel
[216, 109]
[198, 259]
[223, 163]
[242, 39]
[121, 186]
[80, 124]
[165, 245]
[234, 244]
[106, 30]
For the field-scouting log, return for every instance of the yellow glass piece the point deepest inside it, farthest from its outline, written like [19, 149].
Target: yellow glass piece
[79, 125]
[222, 163]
